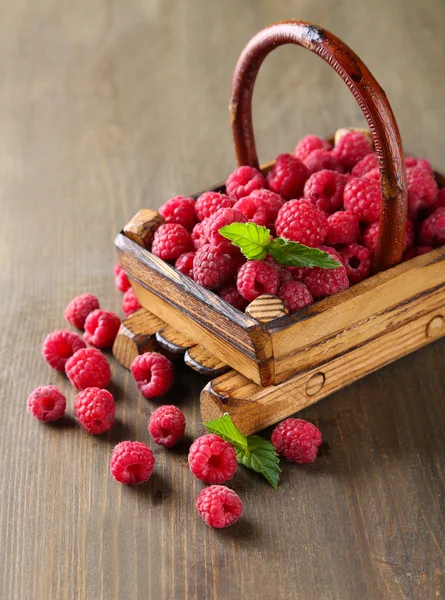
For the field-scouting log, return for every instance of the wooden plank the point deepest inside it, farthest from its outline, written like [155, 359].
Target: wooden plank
[142, 227]
[173, 341]
[266, 308]
[136, 336]
[203, 362]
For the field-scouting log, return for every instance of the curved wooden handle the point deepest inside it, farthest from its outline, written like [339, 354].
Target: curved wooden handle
[371, 99]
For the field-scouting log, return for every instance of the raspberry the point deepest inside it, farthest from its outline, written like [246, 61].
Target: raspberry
[170, 241]
[153, 373]
[132, 463]
[212, 459]
[373, 174]
[295, 296]
[120, 279]
[432, 232]
[95, 410]
[243, 181]
[422, 190]
[184, 264]
[325, 282]
[357, 261]
[371, 234]
[254, 209]
[209, 202]
[284, 273]
[256, 278]
[222, 217]
[298, 273]
[410, 161]
[288, 176]
[325, 190]
[88, 368]
[130, 303]
[46, 403]
[416, 251]
[351, 148]
[362, 197]
[308, 144]
[198, 236]
[440, 200]
[167, 425]
[343, 228]
[179, 210]
[219, 506]
[301, 222]
[101, 328]
[230, 294]
[272, 201]
[366, 164]
[212, 267]
[59, 346]
[320, 160]
[297, 440]
[79, 308]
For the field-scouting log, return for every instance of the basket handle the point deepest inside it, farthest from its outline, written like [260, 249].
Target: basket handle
[371, 99]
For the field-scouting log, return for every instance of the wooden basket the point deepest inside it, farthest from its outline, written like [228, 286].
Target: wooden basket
[268, 365]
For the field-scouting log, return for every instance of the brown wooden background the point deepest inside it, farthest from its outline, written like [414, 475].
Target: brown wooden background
[110, 106]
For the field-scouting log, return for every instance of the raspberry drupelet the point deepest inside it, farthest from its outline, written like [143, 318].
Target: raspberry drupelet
[167, 425]
[212, 459]
[351, 148]
[219, 506]
[310, 143]
[46, 403]
[121, 280]
[243, 181]
[179, 210]
[95, 410]
[101, 328]
[170, 241]
[154, 374]
[184, 264]
[295, 296]
[130, 303]
[255, 278]
[209, 202]
[319, 160]
[297, 440]
[59, 346]
[432, 232]
[88, 368]
[300, 221]
[362, 198]
[79, 308]
[357, 261]
[212, 267]
[324, 190]
[287, 177]
[343, 228]
[132, 463]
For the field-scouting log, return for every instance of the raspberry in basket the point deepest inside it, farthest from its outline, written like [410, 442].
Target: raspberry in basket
[371, 234]
[288, 176]
[319, 160]
[79, 308]
[219, 506]
[130, 303]
[88, 368]
[297, 440]
[410, 161]
[243, 181]
[212, 459]
[351, 148]
[373, 174]
[170, 241]
[272, 200]
[46, 403]
[440, 200]
[416, 251]
[153, 373]
[198, 236]
[59, 346]
[222, 217]
[212, 267]
[362, 198]
[254, 209]
[284, 274]
[184, 264]
[167, 425]
[422, 190]
[209, 202]
[229, 292]
[255, 278]
[326, 282]
[310, 143]
[343, 228]
[368, 163]
[357, 261]
[101, 328]
[120, 279]
[95, 410]
[300, 221]
[179, 210]
[325, 190]
[432, 232]
[295, 296]
[132, 462]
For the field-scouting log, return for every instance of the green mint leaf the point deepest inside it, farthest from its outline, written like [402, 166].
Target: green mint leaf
[227, 430]
[293, 254]
[261, 457]
[253, 239]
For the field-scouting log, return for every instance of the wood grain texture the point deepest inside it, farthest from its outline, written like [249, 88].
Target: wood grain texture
[266, 308]
[136, 336]
[142, 227]
[110, 107]
[201, 361]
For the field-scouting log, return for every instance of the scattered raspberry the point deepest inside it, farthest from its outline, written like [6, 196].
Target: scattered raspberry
[198, 236]
[295, 296]
[179, 210]
[209, 202]
[325, 282]
[212, 267]
[366, 164]
[243, 181]
[185, 264]
[95, 410]
[254, 209]
[170, 241]
[212, 459]
[343, 228]
[308, 144]
[371, 235]
[320, 160]
[230, 294]
[301, 222]
[325, 190]
[357, 261]
[352, 147]
[272, 200]
[416, 251]
[130, 303]
[422, 190]
[79, 308]
[362, 197]
[432, 232]
[297, 440]
[59, 346]
[153, 373]
[167, 425]
[410, 161]
[121, 280]
[222, 217]
[101, 328]
[256, 278]
[132, 463]
[219, 506]
[88, 368]
[288, 176]
[46, 403]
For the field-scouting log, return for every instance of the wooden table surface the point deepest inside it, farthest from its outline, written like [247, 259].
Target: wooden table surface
[107, 107]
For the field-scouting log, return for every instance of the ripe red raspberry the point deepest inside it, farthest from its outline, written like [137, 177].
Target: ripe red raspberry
[88, 368]
[230, 294]
[46, 403]
[242, 181]
[288, 176]
[343, 228]
[101, 328]
[222, 217]
[212, 459]
[120, 279]
[416, 251]
[410, 161]
[198, 236]
[272, 200]
[254, 209]
[256, 278]
[170, 241]
[284, 273]
[308, 144]
[371, 234]
[295, 296]
[184, 264]
[362, 197]
[130, 303]
[132, 463]
[366, 164]
[79, 308]
[153, 373]
[351, 148]
[440, 200]
[432, 232]
[212, 267]
[297, 440]
[219, 506]
[325, 190]
[95, 410]
[298, 273]
[320, 160]
[357, 261]
[325, 282]
[422, 190]
[373, 174]
[209, 202]
[59, 346]
[167, 425]
[179, 210]
[301, 222]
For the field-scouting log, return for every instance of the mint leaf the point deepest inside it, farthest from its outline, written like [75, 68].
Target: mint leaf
[227, 430]
[252, 239]
[261, 457]
[292, 254]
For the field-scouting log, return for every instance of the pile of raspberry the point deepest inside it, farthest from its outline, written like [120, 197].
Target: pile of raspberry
[322, 196]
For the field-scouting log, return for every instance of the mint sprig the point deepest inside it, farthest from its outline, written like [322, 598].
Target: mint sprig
[251, 238]
[227, 430]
